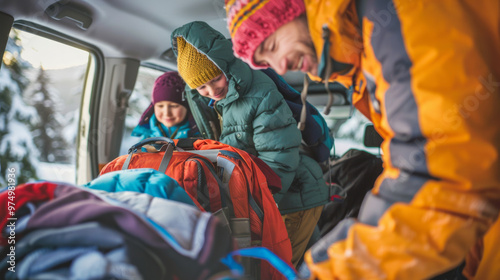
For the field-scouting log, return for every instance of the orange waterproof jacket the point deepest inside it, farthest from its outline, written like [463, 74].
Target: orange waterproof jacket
[427, 73]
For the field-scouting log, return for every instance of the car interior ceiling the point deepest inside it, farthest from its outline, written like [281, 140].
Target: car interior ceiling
[124, 35]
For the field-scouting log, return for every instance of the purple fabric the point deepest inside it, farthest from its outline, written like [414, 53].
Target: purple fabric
[72, 206]
[147, 115]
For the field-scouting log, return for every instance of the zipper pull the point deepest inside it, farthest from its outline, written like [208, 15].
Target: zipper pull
[326, 33]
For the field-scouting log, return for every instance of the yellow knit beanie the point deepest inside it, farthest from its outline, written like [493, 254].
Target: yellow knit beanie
[194, 67]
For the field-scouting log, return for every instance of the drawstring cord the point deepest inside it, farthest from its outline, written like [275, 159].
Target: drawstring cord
[328, 70]
[303, 97]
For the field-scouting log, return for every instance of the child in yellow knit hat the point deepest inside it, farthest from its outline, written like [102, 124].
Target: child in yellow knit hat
[256, 119]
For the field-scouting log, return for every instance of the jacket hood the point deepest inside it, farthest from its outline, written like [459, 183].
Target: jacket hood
[219, 50]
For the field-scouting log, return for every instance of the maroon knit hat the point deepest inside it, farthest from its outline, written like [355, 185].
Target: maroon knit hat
[169, 87]
[250, 22]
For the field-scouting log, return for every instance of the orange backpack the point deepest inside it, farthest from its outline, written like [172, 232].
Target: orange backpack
[223, 180]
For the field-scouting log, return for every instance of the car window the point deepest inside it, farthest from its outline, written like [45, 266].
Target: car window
[348, 133]
[41, 85]
[138, 102]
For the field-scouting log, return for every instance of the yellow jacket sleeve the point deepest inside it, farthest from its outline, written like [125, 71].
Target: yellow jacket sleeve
[433, 84]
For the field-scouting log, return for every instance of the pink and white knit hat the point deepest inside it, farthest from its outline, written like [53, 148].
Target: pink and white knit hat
[250, 22]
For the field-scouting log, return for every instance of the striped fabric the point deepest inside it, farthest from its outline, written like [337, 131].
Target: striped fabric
[250, 22]
[240, 11]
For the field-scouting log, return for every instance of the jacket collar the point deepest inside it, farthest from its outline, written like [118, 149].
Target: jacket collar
[341, 25]
[153, 122]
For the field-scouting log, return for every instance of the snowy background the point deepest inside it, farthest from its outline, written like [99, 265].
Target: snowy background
[39, 111]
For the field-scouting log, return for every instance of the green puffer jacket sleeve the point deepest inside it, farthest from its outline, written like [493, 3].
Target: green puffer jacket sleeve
[277, 138]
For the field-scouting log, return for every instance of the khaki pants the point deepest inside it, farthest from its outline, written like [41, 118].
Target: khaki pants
[300, 226]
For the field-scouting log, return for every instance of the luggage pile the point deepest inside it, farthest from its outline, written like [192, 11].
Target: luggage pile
[62, 231]
[228, 182]
[212, 217]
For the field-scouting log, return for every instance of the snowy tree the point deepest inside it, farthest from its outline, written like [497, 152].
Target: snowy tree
[49, 124]
[137, 104]
[69, 133]
[17, 149]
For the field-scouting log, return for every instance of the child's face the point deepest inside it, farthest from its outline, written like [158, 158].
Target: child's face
[215, 88]
[169, 113]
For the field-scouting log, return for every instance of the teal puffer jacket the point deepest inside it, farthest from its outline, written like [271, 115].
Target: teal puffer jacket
[256, 119]
[185, 129]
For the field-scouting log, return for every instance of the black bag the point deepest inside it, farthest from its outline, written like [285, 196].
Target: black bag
[351, 177]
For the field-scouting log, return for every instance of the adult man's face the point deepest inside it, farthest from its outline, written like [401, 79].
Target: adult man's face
[289, 48]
